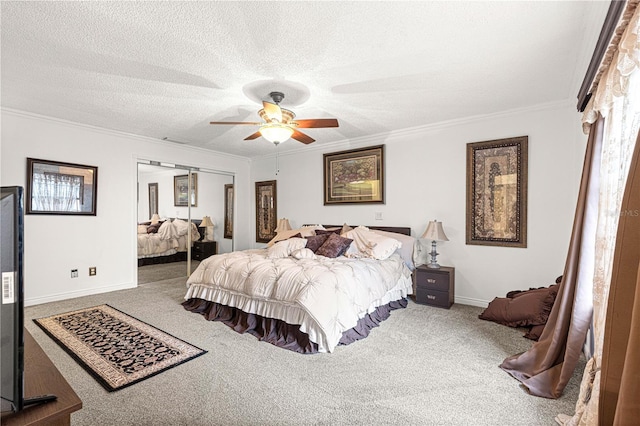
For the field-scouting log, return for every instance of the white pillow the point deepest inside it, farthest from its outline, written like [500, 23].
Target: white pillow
[285, 248]
[142, 229]
[360, 247]
[407, 249]
[180, 226]
[383, 247]
[303, 253]
[368, 244]
[166, 231]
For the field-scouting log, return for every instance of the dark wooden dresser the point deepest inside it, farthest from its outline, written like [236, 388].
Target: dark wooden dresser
[42, 377]
[434, 287]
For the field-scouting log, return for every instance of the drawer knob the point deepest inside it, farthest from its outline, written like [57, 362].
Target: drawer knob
[431, 280]
[430, 297]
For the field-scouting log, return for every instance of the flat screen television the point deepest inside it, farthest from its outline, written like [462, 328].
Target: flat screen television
[12, 307]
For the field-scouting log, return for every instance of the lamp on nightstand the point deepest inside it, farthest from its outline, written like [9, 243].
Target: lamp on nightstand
[283, 225]
[208, 224]
[434, 233]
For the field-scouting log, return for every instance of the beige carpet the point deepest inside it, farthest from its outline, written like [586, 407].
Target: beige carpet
[423, 366]
[164, 271]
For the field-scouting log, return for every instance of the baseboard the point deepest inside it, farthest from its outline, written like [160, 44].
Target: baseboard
[473, 302]
[74, 294]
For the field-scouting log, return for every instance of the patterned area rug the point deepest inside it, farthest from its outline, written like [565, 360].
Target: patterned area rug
[115, 348]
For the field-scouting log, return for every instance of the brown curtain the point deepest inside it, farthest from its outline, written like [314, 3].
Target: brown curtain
[620, 376]
[546, 368]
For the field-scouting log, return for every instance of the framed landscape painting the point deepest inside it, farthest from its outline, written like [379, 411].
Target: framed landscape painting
[354, 176]
[497, 192]
[181, 194]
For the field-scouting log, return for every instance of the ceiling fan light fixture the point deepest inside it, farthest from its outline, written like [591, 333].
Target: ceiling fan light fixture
[276, 132]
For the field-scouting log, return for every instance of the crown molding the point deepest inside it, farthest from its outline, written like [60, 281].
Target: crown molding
[118, 133]
[420, 130]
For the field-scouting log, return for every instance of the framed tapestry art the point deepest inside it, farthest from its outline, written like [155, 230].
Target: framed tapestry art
[497, 192]
[153, 199]
[266, 211]
[354, 176]
[228, 211]
[181, 194]
[61, 188]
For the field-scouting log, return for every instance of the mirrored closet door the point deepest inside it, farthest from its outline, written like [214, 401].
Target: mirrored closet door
[173, 200]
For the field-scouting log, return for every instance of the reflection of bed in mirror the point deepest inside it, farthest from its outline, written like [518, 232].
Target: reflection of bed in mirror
[313, 290]
[166, 240]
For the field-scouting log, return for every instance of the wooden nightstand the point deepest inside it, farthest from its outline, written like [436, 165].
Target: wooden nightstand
[434, 287]
[203, 249]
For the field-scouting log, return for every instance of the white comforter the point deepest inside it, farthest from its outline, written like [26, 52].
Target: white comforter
[325, 296]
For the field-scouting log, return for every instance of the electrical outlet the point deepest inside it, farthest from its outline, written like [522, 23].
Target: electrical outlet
[378, 215]
[92, 271]
[74, 273]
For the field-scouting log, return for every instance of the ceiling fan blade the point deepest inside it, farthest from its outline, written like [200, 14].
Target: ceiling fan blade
[317, 122]
[256, 135]
[301, 137]
[236, 123]
[273, 111]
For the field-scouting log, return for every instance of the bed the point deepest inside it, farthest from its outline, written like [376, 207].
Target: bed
[297, 295]
[165, 241]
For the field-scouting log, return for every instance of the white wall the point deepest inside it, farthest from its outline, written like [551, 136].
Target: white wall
[425, 180]
[210, 190]
[56, 244]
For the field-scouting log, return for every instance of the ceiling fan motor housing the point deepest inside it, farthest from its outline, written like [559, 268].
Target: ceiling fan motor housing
[277, 97]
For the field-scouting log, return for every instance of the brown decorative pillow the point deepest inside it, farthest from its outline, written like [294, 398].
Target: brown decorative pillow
[314, 242]
[335, 246]
[524, 309]
[534, 332]
[153, 228]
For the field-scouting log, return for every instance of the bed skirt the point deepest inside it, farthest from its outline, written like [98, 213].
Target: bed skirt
[280, 333]
[180, 256]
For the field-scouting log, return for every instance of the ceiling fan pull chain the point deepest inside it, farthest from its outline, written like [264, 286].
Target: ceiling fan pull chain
[277, 159]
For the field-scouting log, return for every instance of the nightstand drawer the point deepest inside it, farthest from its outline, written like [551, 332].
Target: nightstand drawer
[203, 249]
[433, 280]
[432, 297]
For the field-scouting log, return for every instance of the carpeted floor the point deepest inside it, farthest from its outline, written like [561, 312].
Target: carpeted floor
[164, 271]
[423, 366]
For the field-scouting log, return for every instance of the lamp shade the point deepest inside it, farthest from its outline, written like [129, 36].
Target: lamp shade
[206, 221]
[435, 232]
[276, 132]
[283, 225]
[155, 218]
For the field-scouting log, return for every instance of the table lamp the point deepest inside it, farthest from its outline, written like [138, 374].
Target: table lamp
[208, 224]
[434, 232]
[283, 225]
[155, 218]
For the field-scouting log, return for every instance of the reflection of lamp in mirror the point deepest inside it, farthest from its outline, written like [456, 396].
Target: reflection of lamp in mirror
[208, 224]
[434, 232]
[155, 218]
[283, 225]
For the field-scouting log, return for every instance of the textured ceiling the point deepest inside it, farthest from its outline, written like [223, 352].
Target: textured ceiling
[166, 69]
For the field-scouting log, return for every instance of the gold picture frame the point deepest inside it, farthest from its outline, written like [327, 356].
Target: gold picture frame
[266, 211]
[181, 190]
[497, 192]
[54, 187]
[228, 210]
[355, 176]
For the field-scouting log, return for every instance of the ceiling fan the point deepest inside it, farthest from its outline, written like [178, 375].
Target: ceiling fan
[279, 124]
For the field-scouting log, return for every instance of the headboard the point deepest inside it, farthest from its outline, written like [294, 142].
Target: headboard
[405, 230]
